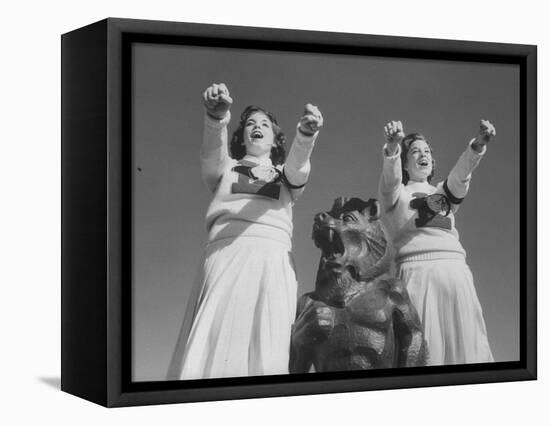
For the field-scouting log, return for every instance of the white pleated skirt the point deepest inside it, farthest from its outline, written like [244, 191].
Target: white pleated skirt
[443, 293]
[243, 313]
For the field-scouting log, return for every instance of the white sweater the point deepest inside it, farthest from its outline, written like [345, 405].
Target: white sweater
[238, 209]
[416, 234]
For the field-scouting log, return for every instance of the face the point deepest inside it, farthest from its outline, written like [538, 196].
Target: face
[419, 161]
[258, 136]
[350, 236]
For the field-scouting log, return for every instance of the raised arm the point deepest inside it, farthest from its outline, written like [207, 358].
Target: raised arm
[214, 153]
[458, 182]
[390, 180]
[297, 165]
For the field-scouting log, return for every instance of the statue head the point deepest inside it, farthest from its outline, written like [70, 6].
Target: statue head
[352, 239]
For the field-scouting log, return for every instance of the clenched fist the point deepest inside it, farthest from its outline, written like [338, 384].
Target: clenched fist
[311, 121]
[486, 132]
[217, 101]
[393, 132]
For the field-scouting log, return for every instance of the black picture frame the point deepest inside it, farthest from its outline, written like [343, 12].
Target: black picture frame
[96, 206]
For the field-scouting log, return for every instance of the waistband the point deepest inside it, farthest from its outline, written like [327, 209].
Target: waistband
[252, 240]
[240, 229]
[430, 255]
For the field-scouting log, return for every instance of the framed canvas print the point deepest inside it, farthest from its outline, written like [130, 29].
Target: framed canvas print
[252, 212]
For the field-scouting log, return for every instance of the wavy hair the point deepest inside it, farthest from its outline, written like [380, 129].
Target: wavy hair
[405, 146]
[237, 148]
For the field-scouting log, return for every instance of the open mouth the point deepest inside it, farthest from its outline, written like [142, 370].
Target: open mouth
[256, 134]
[424, 163]
[330, 243]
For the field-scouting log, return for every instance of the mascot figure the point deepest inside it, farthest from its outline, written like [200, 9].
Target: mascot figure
[359, 317]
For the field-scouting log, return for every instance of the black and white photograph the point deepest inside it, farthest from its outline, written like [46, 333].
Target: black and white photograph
[242, 212]
[305, 212]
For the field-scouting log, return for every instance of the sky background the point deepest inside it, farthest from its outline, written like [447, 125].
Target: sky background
[444, 100]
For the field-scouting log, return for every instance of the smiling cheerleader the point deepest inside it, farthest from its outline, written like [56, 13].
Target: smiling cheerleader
[245, 301]
[429, 256]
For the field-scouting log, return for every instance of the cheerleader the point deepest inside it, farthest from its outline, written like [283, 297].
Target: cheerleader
[429, 257]
[240, 320]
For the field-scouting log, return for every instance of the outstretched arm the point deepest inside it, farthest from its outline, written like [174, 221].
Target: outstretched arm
[214, 154]
[391, 178]
[297, 165]
[458, 182]
[411, 346]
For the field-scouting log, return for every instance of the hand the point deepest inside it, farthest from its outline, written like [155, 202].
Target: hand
[311, 121]
[217, 101]
[486, 132]
[393, 132]
[313, 324]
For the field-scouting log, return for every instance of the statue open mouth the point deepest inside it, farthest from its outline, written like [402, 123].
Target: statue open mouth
[329, 241]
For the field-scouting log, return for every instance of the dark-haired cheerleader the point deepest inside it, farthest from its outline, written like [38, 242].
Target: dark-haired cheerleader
[429, 256]
[246, 298]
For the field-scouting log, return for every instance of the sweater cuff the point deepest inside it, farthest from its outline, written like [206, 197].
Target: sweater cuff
[305, 141]
[395, 156]
[217, 124]
[473, 152]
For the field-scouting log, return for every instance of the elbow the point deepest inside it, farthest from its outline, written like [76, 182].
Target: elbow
[456, 189]
[297, 176]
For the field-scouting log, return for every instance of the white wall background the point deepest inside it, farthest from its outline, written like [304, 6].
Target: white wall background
[30, 200]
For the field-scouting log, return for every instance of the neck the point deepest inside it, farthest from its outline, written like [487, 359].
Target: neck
[336, 288]
[418, 179]
[261, 159]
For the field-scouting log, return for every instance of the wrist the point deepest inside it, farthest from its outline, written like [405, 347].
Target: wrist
[391, 148]
[216, 115]
[216, 123]
[307, 134]
[477, 146]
